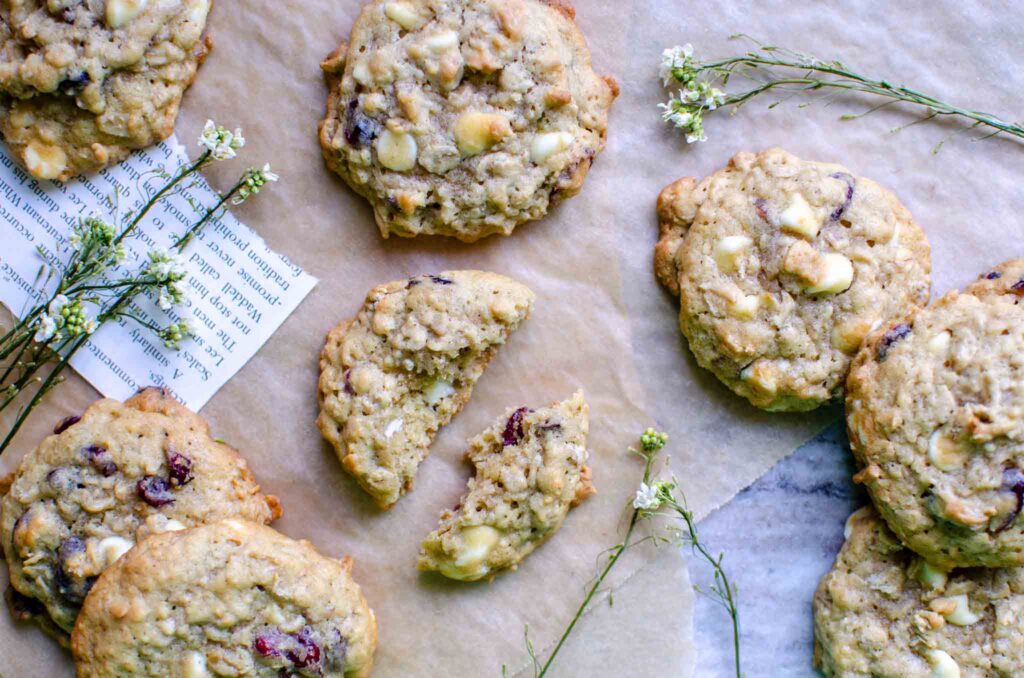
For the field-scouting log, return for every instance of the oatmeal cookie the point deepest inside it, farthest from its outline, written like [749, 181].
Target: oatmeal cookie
[78, 93]
[531, 468]
[407, 363]
[463, 118]
[233, 598]
[935, 412]
[782, 267]
[105, 481]
[884, 612]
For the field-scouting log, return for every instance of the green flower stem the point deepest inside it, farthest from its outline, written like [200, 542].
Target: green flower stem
[612, 559]
[111, 312]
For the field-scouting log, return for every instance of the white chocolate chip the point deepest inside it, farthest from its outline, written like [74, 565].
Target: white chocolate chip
[361, 72]
[121, 12]
[477, 542]
[397, 151]
[393, 427]
[112, 548]
[729, 250]
[167, 626]
[945, 454]
[931, 576]
[193, 665]
[745, 307]
[438, 391]
[837, 276]
[799, 218]
[405, 15]
[439, 42]
[943, 666]
[955, 609]
[476, 132]
[546, 145]
[940, 342]
[45, 161]
[762, 375]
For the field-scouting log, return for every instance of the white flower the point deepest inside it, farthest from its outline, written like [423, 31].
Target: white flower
[252, 181]
[165, 300]
[57, 305]
[165, 266]
[220, 142]
[647, 498]
[89, 325]
[47, 327]
[672, 58]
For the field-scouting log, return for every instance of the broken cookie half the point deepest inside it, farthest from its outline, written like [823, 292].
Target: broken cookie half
[531, 468]
[405, 365]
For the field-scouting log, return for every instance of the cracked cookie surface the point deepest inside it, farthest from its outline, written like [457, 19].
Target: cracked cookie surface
[462, 118]
[782, 266]
[935, 413]
[78, 93]
[107, 480]
[531, 468]
[233, 598]
[883, 612]
[405, 365]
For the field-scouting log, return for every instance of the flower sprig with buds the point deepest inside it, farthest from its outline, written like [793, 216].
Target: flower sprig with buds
[776, 69]
[91, 287]
[654, 498]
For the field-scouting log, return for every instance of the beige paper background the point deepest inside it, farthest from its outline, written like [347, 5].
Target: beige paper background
[600, 320]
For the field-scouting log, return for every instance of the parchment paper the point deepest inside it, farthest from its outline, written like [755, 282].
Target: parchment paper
[600, 320]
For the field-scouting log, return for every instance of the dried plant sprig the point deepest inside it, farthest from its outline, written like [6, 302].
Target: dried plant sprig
[653, 498]
[769, 69]
[90, 290]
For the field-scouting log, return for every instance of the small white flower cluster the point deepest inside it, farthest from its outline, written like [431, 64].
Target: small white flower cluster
[220, 142]
[253, 180]
[167, 270]
[686, 110]
[175, 333]
[63, 317]
[95, 237]
[651, 497]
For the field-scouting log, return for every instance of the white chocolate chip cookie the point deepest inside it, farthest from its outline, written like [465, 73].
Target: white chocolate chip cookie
[531, 468]
[882, 612]
[407, 363]
[935, 412]
[782, 267]
[83, 83]
[463, 118]
[105, 481]
[232, 598]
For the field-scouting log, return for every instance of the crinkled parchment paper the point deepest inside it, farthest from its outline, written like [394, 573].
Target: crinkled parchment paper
[600, 320]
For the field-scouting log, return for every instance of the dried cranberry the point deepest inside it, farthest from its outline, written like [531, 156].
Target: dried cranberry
[1013, 481]
[180, 468]
[268, 642]
[993, 275]
[761, 205]
[154, 490]
[359, 129]
[21, 606]
[71, 587]
[306, 653]
[1018, 288]
[438, 280]
[66, 423]
[100, 459]
[514, 427]
[891, 336]
[850, 182]
[413, 282]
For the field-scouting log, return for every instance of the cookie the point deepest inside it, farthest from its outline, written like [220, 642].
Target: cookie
[884, 612]
[232, 598]
[407, 363]
[84, 84]
[531, 468]
[463, 118]
[782, 267]
[105, 481]
[935, 412]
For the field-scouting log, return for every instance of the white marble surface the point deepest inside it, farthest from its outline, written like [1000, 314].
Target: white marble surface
[779, 537]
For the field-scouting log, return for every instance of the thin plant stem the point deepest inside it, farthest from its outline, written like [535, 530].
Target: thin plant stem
[614, 558]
